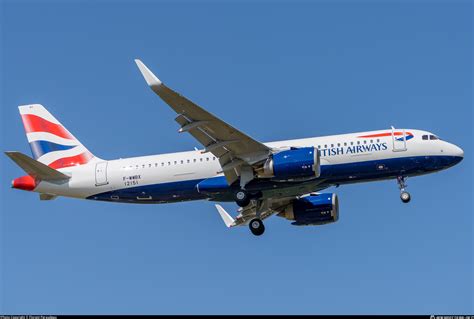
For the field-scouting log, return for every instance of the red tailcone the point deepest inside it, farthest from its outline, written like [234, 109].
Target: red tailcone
[26, 183]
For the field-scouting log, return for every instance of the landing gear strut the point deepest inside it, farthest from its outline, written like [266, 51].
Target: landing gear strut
[404, 195]
[242, 198]
[256, 226]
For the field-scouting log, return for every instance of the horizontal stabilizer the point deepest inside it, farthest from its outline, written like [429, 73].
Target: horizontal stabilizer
[228, 220]
[36, 169]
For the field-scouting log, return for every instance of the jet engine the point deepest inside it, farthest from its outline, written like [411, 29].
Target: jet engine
[294, 163]
[315, 209]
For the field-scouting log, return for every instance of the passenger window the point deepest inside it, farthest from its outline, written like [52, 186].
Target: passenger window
[181, 161]
[365, 141]
[319, 146]
[188, 161]
[194, 160]
[325, 146]
[352, 143]
[345, 144]
[358, 142]
[338, 144]
[213, 158]
[169, 163]
[371, 141]
[378, 140]
[424, 137]
[207, 159]
[162, 164]
[200, 159]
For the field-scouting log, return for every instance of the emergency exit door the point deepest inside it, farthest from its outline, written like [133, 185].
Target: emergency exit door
[101, 174]
[399, 140]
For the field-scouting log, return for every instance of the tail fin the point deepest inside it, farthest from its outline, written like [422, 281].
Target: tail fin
[51, 143]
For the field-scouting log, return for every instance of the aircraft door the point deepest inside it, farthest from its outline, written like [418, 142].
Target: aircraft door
[399, 141]
[101, 174]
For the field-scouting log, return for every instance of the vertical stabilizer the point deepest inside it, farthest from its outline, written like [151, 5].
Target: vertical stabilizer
[51, 143]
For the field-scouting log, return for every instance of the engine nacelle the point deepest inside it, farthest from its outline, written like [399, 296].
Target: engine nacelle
[295, 163]
[313, 210]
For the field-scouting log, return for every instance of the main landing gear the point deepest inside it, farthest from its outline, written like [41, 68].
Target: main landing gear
[242, 198]
[256, 226]
[404, 195]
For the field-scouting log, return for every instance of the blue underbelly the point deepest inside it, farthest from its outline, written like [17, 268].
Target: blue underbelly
[385, 168]
[154, 193]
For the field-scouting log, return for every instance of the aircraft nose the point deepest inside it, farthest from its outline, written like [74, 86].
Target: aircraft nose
[457, 151]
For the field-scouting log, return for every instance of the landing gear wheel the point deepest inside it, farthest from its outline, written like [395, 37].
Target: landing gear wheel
[242, 198]
[256, 227]
[405, 197]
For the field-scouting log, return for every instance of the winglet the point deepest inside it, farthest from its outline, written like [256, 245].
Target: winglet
[150, 78]
[228, 220]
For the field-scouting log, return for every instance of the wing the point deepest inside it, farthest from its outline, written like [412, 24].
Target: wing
[261, 208]
[233, 148]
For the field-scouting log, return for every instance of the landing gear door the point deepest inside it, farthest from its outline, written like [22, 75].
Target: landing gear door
[101, 174]
[399, 140]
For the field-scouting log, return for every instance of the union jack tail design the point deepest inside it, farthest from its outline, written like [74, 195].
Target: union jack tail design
[51, 143]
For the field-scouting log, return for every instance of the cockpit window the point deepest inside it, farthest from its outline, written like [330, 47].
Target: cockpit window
[430, 137]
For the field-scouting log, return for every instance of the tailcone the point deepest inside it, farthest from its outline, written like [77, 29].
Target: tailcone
[26, 183]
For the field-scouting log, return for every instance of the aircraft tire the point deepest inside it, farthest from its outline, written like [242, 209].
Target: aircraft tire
[256, 227]
[405, 197]
[242, 198]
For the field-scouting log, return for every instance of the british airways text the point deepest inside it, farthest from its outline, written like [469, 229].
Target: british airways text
[354, 149]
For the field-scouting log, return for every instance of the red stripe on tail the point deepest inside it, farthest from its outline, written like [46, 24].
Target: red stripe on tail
[80, 159]
[35, 123]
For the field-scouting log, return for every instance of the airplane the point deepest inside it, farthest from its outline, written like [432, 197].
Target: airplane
[283, 178]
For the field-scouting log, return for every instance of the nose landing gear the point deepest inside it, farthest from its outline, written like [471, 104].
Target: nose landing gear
[404, 195]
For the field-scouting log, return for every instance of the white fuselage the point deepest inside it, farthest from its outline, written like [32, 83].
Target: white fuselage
[100, 176]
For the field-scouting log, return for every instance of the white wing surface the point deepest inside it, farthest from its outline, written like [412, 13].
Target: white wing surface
[233, 148]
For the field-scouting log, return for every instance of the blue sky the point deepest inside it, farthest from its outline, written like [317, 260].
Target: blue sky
[275, 71]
